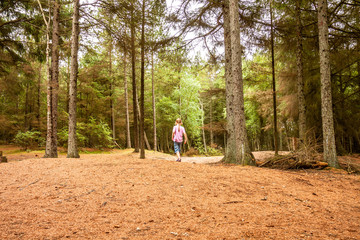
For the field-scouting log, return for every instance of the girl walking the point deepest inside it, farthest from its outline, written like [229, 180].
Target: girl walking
[177, 137]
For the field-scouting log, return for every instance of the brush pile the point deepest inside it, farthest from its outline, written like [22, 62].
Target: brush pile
[350, 163]
[299, 160]
[294, 160]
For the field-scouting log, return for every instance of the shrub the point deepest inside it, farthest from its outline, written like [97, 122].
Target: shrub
[211, 151]
[98, 134]
[214, 151]
[191, 152]
[29, 140]
[92, 134]
[63, 136]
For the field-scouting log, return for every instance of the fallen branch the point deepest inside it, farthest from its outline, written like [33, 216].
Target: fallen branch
[81, 195]
[20, 189]
[232, 202]
[117, 144]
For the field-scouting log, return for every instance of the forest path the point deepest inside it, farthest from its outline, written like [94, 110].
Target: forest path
[260, 156]
[13, 153]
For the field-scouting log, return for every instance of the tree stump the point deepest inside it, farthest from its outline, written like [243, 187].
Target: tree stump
[2, 158]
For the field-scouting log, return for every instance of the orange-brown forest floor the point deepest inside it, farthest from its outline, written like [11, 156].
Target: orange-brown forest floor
[119, 196]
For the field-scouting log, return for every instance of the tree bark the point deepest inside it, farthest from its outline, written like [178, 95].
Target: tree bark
[67, 81]
[300, 75]
[210, 123]
[26, 108]
[142, 80]
[202, 122]
[238, 150]
[132, 26]
[326, 95]
[38, 99]
[72, 140]
[139, 116]
[230, 151]
[276, 134]
[128, 137]
[358, 45]
[112, 92]
[153, 99]
[53, 88]
[47, 23]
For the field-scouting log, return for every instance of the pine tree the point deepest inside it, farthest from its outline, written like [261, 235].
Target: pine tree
[72, 140]
[238, 150]
[53, 87]
[300, 75]
[326, 95]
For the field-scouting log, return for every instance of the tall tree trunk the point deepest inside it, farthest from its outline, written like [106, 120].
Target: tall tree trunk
[128, 139]
[230, 152]
[326, 96]
[211, 123]
[139, 116]
[153, 99]
[47, 23]
[358, 45]
[132, 26]
[53, 88]
[300, 75]
[240, 152]
[142, 89]
[202, 122]
[112, 92]
[276, 134]
[67, 81]
[38, 99]
[26, 110]
[72, 140]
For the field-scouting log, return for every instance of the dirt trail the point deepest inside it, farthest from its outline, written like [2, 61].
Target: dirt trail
[119, 196]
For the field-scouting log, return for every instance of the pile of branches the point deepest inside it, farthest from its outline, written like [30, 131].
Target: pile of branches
[294, 160]
[297, 160]
[307, 156]
[349, 165]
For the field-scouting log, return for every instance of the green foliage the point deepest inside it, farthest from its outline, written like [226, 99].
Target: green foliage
[63, 135]
[190, 111]
[95, 134]
[29, 140]
[98, 134]
[210, 151]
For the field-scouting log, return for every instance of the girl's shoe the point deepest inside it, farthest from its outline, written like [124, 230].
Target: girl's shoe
[178, 160]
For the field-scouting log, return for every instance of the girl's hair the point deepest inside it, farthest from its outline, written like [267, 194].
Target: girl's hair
[178, 122]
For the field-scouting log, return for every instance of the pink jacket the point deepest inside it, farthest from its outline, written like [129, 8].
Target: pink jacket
[178, 136]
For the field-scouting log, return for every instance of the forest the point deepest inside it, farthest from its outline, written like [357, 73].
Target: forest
[242, 75]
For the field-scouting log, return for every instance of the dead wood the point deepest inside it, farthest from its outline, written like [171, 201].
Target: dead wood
[349, 165]
[294, 161]
[20, 189]
[81, 195]
[3, 159]
[231, 202]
